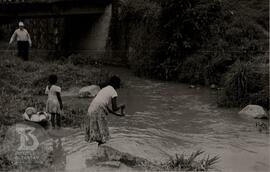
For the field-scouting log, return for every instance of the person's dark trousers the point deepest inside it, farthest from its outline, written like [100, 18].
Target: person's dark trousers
[56, 118]
[23, 49]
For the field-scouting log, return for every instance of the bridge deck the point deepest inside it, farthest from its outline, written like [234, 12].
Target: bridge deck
[39, 8]
[51, 1]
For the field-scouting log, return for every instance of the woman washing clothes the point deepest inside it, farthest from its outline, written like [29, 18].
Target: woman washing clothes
[105, 102]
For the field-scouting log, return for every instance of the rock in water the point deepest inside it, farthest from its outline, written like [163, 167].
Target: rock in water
[254, 111]
[192, 86]
[89, 91]
[131, 153]
[213, 86]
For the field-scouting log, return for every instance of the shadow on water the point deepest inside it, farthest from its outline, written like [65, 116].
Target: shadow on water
[58, 155]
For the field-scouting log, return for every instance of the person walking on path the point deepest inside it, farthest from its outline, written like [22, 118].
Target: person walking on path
[23, 39]
[54, 103]
[105, 102]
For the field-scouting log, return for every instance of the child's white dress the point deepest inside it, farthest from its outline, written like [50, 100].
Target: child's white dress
[52, 105]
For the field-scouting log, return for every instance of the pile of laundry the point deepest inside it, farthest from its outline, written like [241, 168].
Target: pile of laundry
[31, 114]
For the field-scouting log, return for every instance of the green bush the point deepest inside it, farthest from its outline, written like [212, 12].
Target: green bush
[245, 84]
[237, 81]
[172, 38]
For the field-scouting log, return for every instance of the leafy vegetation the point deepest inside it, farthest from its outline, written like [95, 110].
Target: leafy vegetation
[182, 162]
[246, 83]
[199, 42]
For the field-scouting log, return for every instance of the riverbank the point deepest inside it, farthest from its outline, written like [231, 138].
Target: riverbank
[164, 116]
[22, 85]
[21, 81]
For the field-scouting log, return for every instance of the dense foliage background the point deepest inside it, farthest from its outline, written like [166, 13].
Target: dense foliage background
[202, 42]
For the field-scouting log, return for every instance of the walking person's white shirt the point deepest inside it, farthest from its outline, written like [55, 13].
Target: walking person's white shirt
[21, 34]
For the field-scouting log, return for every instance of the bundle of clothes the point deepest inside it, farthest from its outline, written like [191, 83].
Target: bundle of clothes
[41, 117]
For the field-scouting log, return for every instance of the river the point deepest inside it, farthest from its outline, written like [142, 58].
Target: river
[176, 119]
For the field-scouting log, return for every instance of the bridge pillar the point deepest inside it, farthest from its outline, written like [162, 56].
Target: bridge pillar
[56, 37]
[116, 50]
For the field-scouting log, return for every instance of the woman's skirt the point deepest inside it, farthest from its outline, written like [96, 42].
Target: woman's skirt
[96, 127]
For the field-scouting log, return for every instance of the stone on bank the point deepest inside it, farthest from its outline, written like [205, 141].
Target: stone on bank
[89, 91]
[254, 111]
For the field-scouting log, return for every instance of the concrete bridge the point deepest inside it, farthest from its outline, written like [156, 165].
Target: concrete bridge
[65, 26]
[48, 8]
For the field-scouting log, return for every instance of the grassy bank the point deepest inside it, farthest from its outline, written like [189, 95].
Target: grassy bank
[22, 81]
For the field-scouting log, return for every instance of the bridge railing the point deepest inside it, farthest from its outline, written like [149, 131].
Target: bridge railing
[33, 1]
[21, 1]
[49, 1]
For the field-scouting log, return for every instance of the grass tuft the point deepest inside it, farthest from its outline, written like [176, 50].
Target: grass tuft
[182, 163]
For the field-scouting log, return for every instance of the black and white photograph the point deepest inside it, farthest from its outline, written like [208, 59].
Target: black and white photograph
[134, 85]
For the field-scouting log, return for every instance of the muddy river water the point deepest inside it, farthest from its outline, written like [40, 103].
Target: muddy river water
[175, 119]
